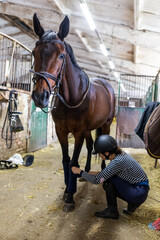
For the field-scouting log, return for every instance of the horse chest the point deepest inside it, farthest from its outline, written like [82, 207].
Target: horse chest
[69, 121]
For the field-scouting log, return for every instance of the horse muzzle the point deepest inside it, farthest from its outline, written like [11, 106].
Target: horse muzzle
[41, 100]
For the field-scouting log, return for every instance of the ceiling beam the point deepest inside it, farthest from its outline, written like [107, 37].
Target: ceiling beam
[150, 6]
[14, 23]
[149, 22]
[139, 68]
[92, 67]
[149, 57]
[145, 39]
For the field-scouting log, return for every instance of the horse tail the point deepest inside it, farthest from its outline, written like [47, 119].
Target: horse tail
[112, 103]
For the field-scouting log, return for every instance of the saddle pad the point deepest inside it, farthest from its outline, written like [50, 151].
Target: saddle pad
[152, 134]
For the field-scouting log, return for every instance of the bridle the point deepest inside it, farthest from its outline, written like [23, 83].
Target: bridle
[58, 79]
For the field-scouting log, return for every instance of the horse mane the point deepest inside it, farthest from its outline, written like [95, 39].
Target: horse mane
[73, 60]
[71, 54]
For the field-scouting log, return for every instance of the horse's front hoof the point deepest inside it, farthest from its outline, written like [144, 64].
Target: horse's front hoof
[68, 207]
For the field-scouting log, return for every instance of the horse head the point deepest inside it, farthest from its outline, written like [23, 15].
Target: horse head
[49, 61]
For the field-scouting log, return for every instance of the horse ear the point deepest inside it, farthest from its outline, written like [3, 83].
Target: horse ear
[64, 28]
[37, 26]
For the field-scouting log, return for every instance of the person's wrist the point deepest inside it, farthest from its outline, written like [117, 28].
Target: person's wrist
[81, 172]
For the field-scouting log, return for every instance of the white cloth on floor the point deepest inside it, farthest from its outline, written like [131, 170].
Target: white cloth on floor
[16, 158]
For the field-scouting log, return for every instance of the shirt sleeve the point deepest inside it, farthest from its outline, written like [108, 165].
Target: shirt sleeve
[112, 169]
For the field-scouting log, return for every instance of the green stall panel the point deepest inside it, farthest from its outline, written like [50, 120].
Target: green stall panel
[38, 129]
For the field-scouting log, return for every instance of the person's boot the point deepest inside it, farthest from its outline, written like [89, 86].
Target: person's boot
[130, 209]
[108, 213]
[111, 211]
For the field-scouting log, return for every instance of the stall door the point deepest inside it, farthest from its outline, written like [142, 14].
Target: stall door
[127, 120]
[137, 91]
[38, 129]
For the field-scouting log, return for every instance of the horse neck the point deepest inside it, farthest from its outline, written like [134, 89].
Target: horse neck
[74, 84]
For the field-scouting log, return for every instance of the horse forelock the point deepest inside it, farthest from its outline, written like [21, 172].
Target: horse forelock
[48, 36]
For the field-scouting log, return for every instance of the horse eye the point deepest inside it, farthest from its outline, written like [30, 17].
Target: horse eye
[61, 56]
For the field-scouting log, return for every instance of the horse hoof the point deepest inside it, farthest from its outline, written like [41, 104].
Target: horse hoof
[82, 180]
[68, 207]
[65, 196]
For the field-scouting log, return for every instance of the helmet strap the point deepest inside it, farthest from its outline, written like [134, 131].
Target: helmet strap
[107, 157]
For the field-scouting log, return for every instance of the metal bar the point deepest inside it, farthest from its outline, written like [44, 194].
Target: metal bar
[14, 40]
[16, 73]
[139, 90]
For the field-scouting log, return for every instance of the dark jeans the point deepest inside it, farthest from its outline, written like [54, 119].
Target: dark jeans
[129, 192]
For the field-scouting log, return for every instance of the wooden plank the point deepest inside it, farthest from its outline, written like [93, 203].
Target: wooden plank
[47, 4]
[126, 4]
[140, 68]
[150, 22]
[135, 37]
[92, 67]
[150, 7]
[9, 30]
[103, 12]
[148, 56]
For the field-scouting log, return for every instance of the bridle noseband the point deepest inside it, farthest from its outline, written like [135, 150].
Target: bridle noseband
[58, 79]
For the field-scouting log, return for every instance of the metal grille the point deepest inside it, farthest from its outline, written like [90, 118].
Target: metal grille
[15, 62]
[136, 90]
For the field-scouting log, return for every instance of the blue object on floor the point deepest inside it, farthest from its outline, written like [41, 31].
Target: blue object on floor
[150, 226]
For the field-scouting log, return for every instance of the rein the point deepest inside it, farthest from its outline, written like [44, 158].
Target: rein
[58, 80]
[75, 106]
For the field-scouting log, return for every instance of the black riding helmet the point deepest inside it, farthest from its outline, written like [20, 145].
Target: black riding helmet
[104, 143]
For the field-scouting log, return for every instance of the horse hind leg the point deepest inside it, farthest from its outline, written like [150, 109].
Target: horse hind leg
[106, 128]
[89, 145]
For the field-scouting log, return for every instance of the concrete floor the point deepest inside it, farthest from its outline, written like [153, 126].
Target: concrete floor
[31, 203]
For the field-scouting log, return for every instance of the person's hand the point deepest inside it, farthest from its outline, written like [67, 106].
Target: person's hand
[76, 170]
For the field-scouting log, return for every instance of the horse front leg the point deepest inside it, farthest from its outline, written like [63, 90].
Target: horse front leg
[72, 185]
[63, 139]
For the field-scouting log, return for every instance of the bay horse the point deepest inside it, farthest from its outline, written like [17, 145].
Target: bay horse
[80, 105]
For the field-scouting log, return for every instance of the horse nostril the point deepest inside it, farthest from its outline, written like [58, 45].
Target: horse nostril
[34, 95]
[47, 94]
[41, 99]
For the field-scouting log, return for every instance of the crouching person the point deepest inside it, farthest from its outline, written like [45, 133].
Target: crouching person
[123, 178]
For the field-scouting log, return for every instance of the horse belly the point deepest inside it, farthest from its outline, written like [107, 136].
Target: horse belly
[99, 111]
[98, 121]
